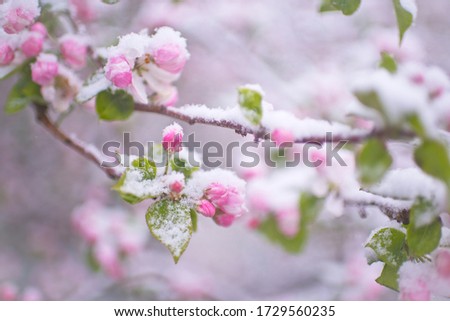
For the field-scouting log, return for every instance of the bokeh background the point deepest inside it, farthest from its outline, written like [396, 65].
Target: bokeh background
[304, 61]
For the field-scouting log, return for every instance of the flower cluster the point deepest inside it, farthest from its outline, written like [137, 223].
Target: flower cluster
[147, 65]
[111, 235]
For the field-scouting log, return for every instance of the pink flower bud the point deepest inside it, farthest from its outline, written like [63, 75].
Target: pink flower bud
[176, 187]
[170, 57]
[173, 138]
[6, 54]
[83, 10]
[32, 46]
[224, 220]
[443, 263]
[118, 71]
[39, 28]
[45, 69]
[282, 136]
[17, 19]
[227, 199]
[206, 208]
[74, 52]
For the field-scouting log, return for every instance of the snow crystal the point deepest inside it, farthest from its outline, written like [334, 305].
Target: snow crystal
[200, 180]
[132, 45]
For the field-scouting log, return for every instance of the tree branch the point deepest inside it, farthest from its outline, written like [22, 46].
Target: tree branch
[85, 150]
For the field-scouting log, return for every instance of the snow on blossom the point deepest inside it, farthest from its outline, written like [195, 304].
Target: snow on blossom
[45, 69]
[33, 44]
[146, 65]
[414, 282]
[74, 50]
[16, 15]
[172, 139]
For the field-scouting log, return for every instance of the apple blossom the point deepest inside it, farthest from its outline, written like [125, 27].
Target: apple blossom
[173, 138]
[32, 46]
[281, 137]
[74, 51]
[19, 14]
[206, 208]
[6, 54]
[45, 69]
[118, 71]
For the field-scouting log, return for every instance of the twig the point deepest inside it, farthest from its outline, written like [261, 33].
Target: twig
[73, 143]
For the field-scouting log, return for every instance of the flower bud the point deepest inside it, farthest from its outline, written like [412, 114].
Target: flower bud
[118, 71]
[45, 69]
[32, 46]
[74, 52]
[176, 187]
[226, 198]
[170, 57]
[18, 18]
[173, 138]
[224, 220]
[206, 208]
[6, 54]
[39, 28]
[282, 136]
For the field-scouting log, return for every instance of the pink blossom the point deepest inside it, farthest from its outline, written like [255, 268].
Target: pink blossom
[224, 220]
[167, 97]
[109, 260]
[170, 57]
[282, 136]
[6, 54]
[227, 198]
[206, 208]
[118, 71]
[18, 18]
[39, 28]
[443, 263]
[74, 52]
[45, 69]
[83, 10]
[176, 187]
[32, 46]
[288, 221]
[173, 138]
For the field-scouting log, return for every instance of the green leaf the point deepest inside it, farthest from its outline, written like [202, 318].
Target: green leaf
[170, 222]
[116, 105]
[310, 206]
[110, 1]
[293, 244]
[371, 100]
[389, 277]
[388, 62]
[23, 93]
[416, 125]
[373, 160]
[194, 218]
[251, 104]
[148, 167]
[347, 7]
[432, 157]
[182, 166]
[404, 18]
[389, 246]
[422, 239]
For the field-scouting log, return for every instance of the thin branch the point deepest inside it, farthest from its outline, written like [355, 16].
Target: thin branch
[75, 144]
[260, 133]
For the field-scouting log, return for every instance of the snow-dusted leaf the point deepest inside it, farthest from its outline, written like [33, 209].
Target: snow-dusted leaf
[389, 246]
[117, 105]
[170, 222]
[373, 160]
[347, 7]
[181, 165]
[389, 277]
[250, 101]
[423, 238]
[433, 158]
[24, 92]
[134, 185]
[388, 62]
[405, 11]
[148, 167]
